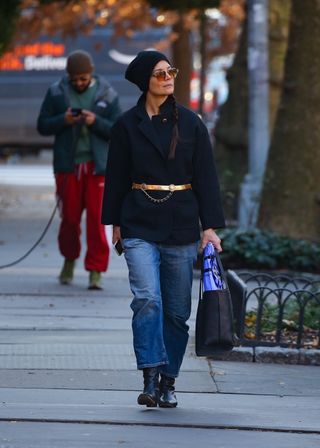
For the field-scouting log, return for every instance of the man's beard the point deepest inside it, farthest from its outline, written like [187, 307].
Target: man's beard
[82, 89]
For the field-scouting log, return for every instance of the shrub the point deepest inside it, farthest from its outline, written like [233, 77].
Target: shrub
[258, 249]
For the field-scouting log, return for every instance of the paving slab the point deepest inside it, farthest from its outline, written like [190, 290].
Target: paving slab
[30, 336]
[268, 379]
[201, 382]
[91, 362]
[63, 322]
[297, 414]
[43, 281]
[66, 349]
[70, 304]
[67, 303]
[57, 435]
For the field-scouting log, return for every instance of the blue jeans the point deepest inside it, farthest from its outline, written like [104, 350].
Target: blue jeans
[161, 280]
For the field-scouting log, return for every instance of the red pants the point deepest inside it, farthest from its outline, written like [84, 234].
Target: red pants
[78, 191]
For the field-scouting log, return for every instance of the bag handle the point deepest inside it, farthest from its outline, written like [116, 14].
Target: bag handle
[223, 274]
[200, 287]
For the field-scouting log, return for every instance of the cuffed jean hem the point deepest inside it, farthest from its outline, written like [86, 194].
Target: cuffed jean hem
[156, 364]
[170, 375]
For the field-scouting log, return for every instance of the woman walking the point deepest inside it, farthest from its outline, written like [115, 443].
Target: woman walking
[160, 180]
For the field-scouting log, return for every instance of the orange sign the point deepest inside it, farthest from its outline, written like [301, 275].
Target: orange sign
[36, 56]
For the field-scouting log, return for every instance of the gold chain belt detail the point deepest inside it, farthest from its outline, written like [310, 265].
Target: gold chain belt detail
[171, 187]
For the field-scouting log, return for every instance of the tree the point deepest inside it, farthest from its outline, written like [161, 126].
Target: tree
[191, 15]
[69, 17]
[290, 202]
[231, 139]
[182, 47]
[279, 18]
[73, 16]
[232, 128]
[9, 13]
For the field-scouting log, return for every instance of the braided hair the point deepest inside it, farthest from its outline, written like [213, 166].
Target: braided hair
[175, 132]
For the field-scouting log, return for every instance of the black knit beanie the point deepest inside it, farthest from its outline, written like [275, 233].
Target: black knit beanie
[79, 62]
[140, 69]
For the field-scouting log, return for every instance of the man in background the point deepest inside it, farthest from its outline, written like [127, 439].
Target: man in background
[79, 110]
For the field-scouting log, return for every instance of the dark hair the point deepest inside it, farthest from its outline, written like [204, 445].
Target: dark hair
[175, 132]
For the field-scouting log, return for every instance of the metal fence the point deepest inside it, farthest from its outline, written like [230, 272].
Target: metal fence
[275, 310]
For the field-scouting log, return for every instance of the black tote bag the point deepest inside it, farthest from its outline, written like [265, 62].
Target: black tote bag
[214, 320]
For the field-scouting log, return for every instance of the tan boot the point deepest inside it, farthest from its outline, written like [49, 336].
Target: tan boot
[95, 282]
[66, 274]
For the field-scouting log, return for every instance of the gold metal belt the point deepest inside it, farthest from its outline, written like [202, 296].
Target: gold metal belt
[171, 187]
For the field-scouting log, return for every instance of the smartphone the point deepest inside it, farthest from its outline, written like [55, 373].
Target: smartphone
[118, 248]
[75, 111]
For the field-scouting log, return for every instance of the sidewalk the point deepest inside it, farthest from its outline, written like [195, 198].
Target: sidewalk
[67, 369]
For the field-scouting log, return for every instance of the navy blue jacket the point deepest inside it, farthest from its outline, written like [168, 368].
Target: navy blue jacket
[139, 153]
[51, 122]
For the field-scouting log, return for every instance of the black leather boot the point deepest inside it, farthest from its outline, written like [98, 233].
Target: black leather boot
[167, 398]
[150, 395]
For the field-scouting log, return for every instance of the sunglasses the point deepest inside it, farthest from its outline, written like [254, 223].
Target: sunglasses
[161, 75]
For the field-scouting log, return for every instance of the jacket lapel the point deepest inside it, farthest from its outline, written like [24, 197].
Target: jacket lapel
[146, 126]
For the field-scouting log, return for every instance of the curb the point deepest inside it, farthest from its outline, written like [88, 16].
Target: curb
[275, 355]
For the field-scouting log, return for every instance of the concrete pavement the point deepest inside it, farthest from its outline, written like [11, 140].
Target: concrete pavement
[67, 369]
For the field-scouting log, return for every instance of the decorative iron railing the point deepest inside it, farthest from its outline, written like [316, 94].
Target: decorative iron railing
[276, 310]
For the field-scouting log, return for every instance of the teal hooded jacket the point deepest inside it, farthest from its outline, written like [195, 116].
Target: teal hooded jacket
[51, 122]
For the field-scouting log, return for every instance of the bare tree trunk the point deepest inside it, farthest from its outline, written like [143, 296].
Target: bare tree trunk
[9, 14]
[231, 132]
[182, 59]
[291, 196]
[279, 19]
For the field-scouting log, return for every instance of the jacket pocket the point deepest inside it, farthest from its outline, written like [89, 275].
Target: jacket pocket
[186, 212]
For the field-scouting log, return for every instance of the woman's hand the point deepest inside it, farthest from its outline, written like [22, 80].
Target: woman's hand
[210, 236]
[116, 234]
